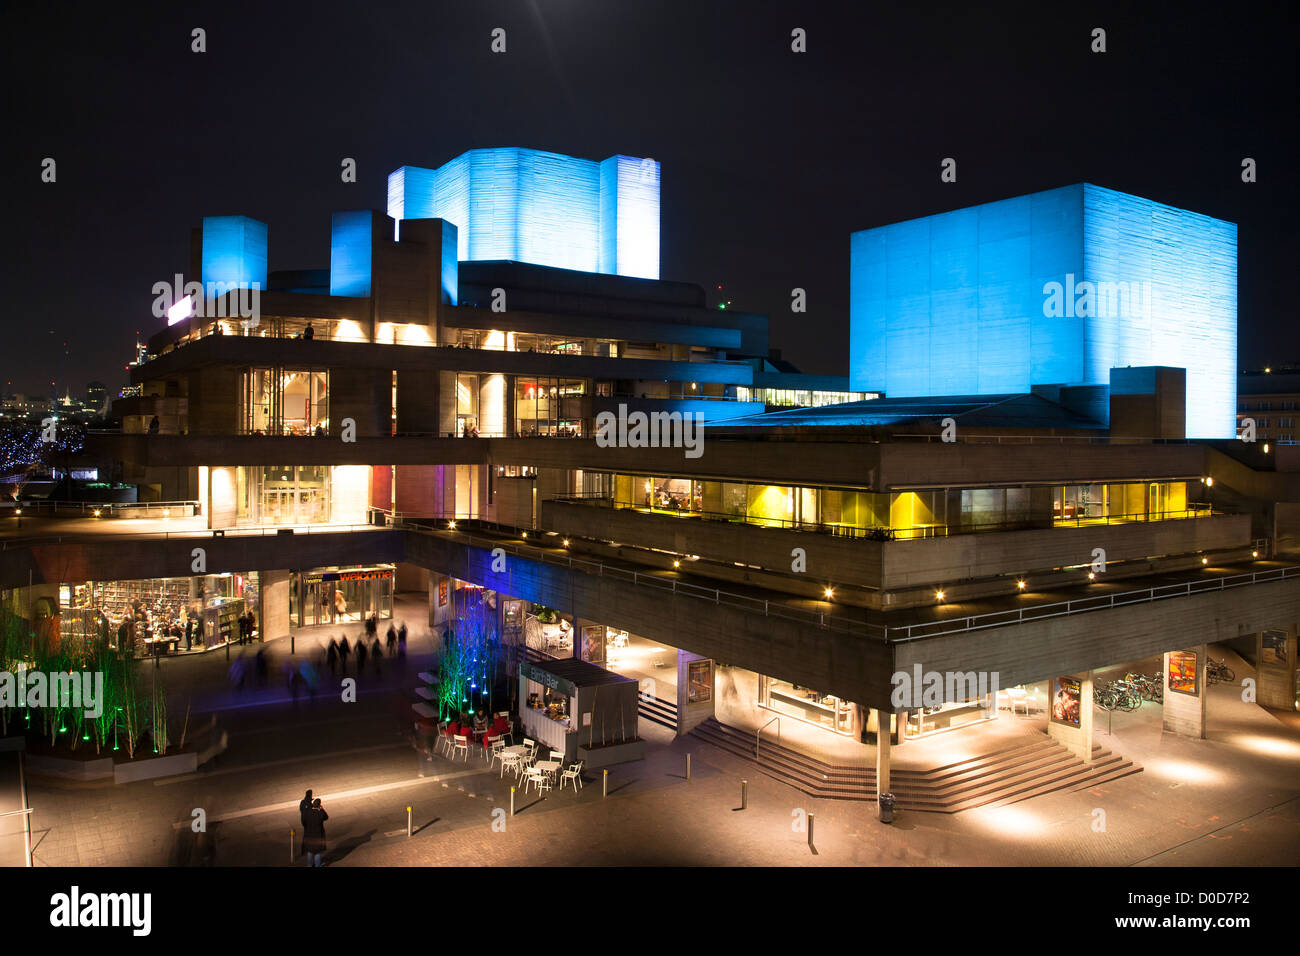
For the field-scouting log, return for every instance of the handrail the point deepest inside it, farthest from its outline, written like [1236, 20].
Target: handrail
[1098, 602]
[758, 737]
[257, 532]
[10, 813]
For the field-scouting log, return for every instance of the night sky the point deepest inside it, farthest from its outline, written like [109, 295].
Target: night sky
[770, 158]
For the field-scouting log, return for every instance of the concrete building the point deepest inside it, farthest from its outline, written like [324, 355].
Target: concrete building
[440, 427]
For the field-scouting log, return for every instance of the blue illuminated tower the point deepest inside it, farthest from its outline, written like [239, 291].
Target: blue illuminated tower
[527, 205]
[1056, 287]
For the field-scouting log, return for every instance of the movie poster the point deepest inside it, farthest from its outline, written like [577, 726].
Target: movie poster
[1066, 693]
[1275, 649]
[442, 592]
[1182, 672]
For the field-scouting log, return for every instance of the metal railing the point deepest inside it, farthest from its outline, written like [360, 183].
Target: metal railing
[758, 737]
[888, 634]
[13, 544]
[106, 508]
[970, 439]
[1099, 602]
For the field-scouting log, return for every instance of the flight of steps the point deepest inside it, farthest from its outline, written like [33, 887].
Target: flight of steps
[657, 710]
[993, 779]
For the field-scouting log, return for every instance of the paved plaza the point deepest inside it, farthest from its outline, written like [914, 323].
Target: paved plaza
[1231, 800]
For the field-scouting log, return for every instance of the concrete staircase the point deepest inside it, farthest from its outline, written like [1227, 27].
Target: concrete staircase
[993, 779]
[657, 710]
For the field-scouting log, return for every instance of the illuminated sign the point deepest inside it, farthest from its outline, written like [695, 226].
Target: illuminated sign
[181, 311]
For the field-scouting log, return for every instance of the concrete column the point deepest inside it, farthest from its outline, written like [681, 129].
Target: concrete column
[273, 622]
[1276, 671]
[882, 752]
[1184, 713]
[1077, 740]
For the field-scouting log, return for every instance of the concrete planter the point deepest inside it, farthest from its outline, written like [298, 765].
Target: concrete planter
[610, 754]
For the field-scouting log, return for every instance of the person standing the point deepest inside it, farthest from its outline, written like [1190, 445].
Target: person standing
[361, 655]
[189, 633]
[376, 655]
[304, 808]
[401, 640]
[391, 639]
[313, 832]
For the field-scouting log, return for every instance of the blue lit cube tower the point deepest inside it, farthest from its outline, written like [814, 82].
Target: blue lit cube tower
[527, 205]
[1056, 287]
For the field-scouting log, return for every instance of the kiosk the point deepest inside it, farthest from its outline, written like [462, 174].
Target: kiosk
[583, 711]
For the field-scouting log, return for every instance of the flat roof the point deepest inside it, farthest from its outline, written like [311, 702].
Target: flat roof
[579, 672]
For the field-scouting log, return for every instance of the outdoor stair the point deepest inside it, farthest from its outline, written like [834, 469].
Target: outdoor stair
[657, 710]
[998, 778]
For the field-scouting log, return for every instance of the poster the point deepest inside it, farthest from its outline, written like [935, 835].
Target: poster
[593, 643]
[1066, 692]
[1182, 672]
[442, 592]
[1275, 649]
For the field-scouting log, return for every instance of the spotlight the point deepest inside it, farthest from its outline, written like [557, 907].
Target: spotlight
[676, 563]
[1092, 576]
[1021, 584]
[1266, 448]
[566, 542]
[938, 595]
[1205, 560]
[829, 592]
[1254, 554]
[96, 512]
[167, 512]
[1209, 482]
[525, 534]
[451, 526]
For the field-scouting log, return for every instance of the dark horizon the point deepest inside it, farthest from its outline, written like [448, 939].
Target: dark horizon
[770, 159]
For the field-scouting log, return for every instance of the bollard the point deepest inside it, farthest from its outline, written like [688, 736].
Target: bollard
[512, 801]
[291, 844]
[744, 794]
[811, 818]
[604, 783]
[688, 766]
[227, 649]
[291, 640]
[408, 822]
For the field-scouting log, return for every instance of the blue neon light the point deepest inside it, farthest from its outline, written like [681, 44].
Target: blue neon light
[540, 207]
[958, 303]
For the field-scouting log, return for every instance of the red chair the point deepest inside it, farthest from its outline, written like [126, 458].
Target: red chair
[452, 730]
[500, 728]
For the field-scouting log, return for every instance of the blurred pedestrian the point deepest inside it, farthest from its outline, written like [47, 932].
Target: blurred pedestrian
[313, 832]
[332, 655]
[304, 808]
[376, 655]
[392, 639]
[344, 651]
[401, 640]
[361, 655]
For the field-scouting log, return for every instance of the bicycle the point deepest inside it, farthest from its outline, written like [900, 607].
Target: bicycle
[1218, 672]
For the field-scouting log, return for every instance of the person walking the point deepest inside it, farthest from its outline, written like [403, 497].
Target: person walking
[376, 655]
[401, 640]
[361, 655]
[313, 832]
[391, 639]
[189, 633]
[332, 655]
[344, 650]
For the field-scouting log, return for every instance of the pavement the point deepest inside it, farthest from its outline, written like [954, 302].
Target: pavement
[1231, 800]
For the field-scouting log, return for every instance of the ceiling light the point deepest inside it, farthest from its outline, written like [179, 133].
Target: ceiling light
[938, 595]
[1021, 584]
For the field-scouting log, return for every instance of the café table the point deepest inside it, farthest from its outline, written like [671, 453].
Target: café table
[548, 767]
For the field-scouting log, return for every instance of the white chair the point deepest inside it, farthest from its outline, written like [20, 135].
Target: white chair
[510, 762]
[529, 746]
[461, 743]
[494, 747]
[534, 777]
[574, 773]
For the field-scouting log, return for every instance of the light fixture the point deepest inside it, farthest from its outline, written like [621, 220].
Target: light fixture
[676, 563]
[1254, 554]
[451, 525]
[167, 512]
[96, 512]
[566, 542]
[525, 534]
[938, 595]
[1092, 576]
[1021, 584]
[1209, 482]
[18, 511]
[1266, 448]
[829, 592]
[1205, 560]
